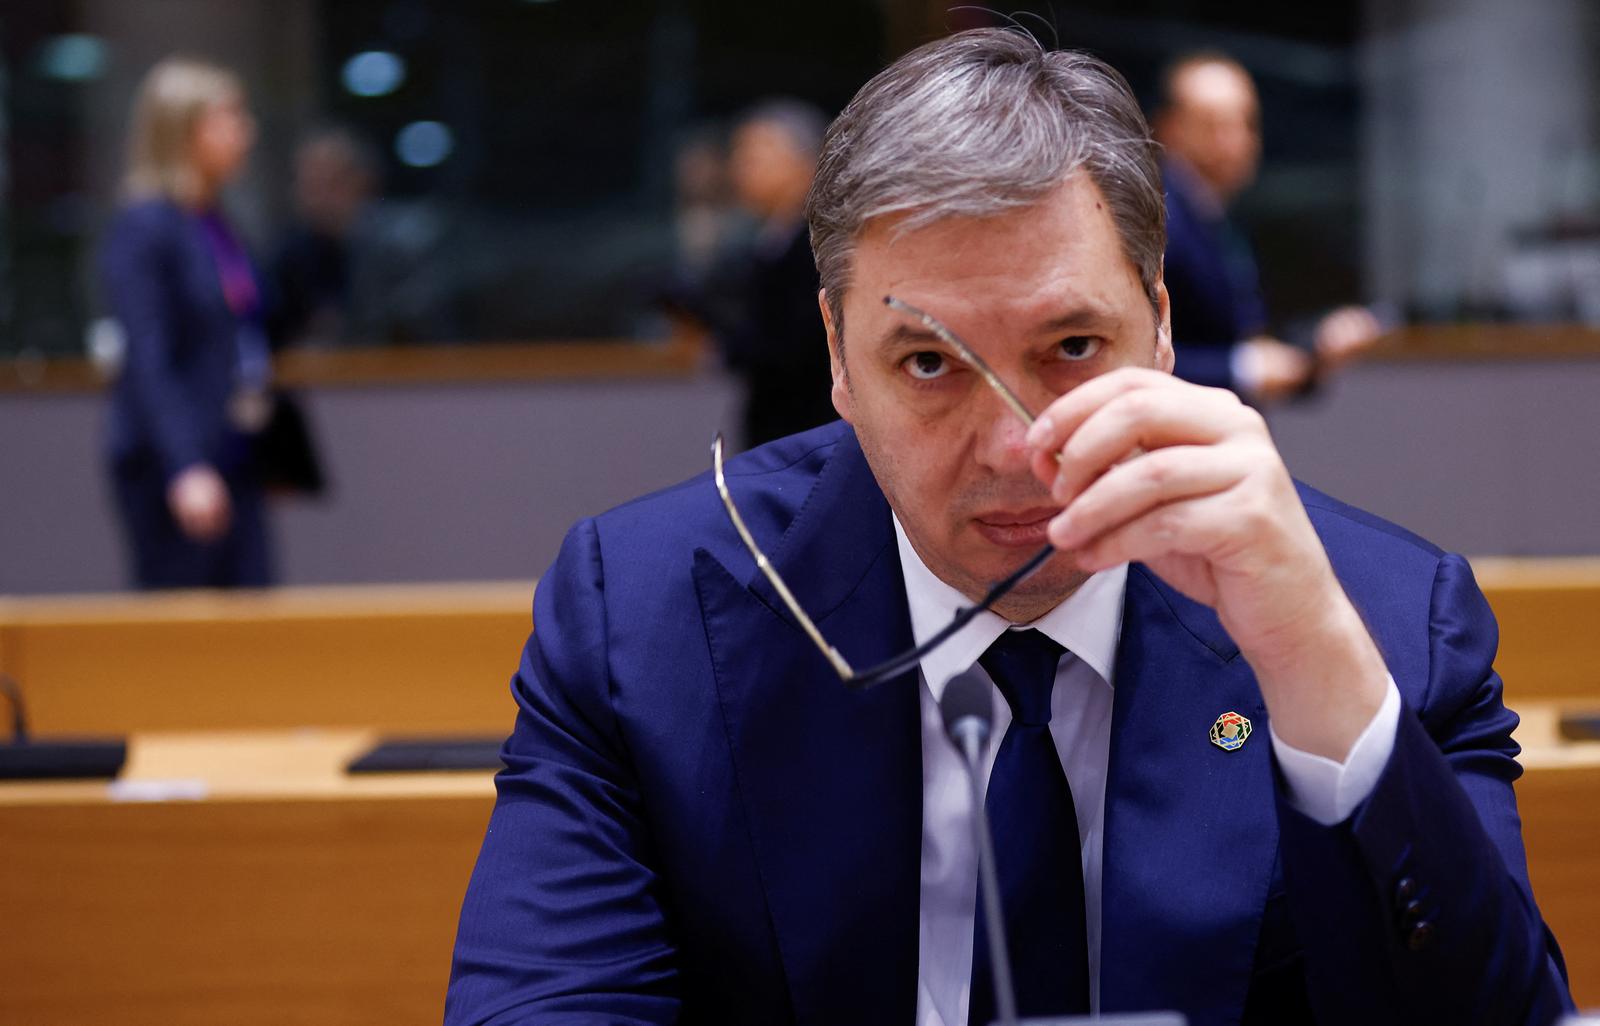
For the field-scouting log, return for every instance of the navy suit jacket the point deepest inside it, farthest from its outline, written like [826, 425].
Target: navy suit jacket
[1212, 282]
[697, 822]
[169, 404]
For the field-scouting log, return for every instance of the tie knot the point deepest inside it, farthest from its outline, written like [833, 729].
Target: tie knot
[1023, 665]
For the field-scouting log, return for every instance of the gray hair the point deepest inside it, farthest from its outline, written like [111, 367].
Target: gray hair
[976, 124]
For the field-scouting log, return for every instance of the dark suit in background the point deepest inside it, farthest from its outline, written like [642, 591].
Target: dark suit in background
[1212, 281]
[169, 405]
[776, 341]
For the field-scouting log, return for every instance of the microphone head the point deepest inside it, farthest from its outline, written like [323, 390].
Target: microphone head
[968, 703]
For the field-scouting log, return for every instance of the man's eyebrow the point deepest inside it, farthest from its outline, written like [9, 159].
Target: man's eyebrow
[1088, 316]
[910, 333]
[907, 334]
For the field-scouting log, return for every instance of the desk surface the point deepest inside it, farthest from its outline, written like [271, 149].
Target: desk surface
[432, 658]
[237, 766]
[235, 877]
[436, 658]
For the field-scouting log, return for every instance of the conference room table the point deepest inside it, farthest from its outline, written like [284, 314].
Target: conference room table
[235, 877]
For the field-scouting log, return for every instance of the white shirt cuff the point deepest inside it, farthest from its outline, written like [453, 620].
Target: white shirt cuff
[1244, 363]
[1328, 791]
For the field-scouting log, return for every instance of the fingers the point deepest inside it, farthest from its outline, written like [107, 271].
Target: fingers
[1060, 419]
[1140, 485]
[1118, 416]
[1146, 467]
[1184, 528]
[1142, 421]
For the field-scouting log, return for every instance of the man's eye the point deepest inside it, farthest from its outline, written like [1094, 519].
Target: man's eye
[1080, 347]
[925, 366]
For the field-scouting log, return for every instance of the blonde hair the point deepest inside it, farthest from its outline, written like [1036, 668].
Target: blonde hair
[172, 98]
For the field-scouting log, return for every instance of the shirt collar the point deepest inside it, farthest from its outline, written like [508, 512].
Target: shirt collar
[1088, 623]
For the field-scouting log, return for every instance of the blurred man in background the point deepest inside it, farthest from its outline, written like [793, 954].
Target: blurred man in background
[336, 177]
[775, 340]
[1209, 123]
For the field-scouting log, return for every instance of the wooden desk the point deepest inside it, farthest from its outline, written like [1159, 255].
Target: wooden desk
[1559, 798]
[283, 891]
[420, 658]
[1548, 609]
[439, 657]
[279, 891]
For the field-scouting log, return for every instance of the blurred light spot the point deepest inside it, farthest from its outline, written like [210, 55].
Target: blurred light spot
[73, 58]
[424, 143]
[107, 344]
[374, 73]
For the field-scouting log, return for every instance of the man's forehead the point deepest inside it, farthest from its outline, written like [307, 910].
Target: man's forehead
[1074, 195]
[1031, 244]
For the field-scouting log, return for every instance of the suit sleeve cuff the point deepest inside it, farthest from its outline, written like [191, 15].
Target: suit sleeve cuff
[1327, 791]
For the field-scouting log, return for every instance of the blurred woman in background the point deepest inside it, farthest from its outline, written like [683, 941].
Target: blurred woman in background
[193, 393]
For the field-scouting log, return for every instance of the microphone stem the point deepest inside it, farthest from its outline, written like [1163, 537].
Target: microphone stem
[19, 711]
[1005, 997]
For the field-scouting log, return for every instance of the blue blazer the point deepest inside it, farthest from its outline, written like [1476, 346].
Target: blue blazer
[169, 404]
[1212, 282]
[697, 822]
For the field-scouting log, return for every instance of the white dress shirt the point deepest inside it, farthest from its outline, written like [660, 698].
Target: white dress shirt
[1088, 624]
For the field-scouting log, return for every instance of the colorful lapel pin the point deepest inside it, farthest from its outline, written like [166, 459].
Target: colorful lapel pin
[1230, 732]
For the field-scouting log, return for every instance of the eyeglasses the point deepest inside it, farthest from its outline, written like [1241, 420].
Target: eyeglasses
[893, 667]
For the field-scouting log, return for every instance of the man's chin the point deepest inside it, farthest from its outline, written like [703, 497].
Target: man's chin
[1039, 593]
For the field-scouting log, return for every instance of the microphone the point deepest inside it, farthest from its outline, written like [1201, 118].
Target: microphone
[968, 709]
[23, 758]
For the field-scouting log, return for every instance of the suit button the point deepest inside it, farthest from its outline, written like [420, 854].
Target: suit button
[1405, 890]
[1420, 937]
[1411, 915]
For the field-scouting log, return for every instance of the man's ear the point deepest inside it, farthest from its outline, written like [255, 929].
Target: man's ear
[1165, 358]
[841, 385]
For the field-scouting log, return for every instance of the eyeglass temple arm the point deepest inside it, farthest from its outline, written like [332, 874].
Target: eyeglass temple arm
[837, 661]
[964, 351]
[901, 663]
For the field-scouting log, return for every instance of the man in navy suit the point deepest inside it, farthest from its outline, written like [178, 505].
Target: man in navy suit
[1269, 719]
[1209, 125]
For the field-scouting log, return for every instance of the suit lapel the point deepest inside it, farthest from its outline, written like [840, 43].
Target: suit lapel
[830, 778]
[1191, 830]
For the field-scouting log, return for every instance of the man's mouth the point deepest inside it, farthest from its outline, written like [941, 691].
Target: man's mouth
[1020, 529]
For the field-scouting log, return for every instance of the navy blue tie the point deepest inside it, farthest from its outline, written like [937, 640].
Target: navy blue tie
[1037, 855]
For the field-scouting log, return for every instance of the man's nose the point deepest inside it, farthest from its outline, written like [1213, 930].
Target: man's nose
[1002, 439]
